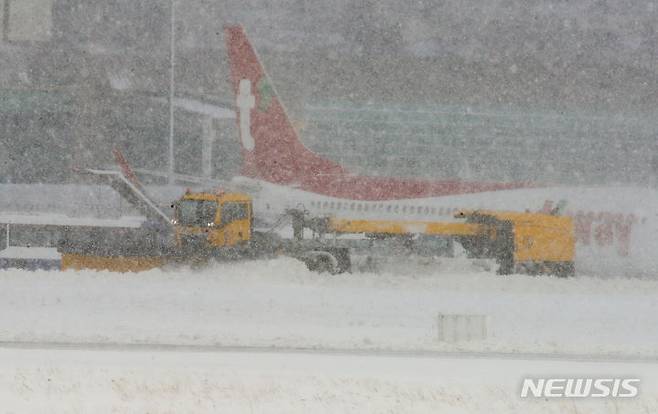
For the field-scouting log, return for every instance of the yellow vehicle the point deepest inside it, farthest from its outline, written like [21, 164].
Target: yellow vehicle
[521, 242]
[206, 220]
[220, 225]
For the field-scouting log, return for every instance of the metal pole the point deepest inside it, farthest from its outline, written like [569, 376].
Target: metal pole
[172, 56]
[208, 139]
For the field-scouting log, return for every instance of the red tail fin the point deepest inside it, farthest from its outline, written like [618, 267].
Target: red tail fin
[273, 152]
[271, 148]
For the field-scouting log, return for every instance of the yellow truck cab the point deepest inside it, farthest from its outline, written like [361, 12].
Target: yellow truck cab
[206, 220]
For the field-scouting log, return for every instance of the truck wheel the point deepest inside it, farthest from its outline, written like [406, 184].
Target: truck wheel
[320, 264]
[565, 269]
[325, 265]
[506, 265]
[344, 262]
[330, 260]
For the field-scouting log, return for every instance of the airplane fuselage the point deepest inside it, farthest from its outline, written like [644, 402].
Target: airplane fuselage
[616, 228]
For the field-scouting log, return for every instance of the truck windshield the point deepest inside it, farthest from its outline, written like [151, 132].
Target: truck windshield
[233, 212]
[196, 212]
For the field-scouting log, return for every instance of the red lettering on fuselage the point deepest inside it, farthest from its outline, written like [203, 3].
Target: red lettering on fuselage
[583, 227]
[603, 232]
[623, 228]
[603, 228]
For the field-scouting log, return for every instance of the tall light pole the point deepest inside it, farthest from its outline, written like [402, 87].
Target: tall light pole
[172, 67]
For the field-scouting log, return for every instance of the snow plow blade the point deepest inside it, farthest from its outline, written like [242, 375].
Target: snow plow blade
[123, 264]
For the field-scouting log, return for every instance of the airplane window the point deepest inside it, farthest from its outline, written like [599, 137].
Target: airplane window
[352, 206]
[331, 205]
[404, 209]
[433, 211]
[388, 208]
[365, 207]
[324, 205]
[338, 206]
[427, 210]
[267, 206]
[397, 209]
[312, 203]
[359, 207]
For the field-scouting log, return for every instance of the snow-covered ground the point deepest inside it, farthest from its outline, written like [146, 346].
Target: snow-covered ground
[281, 303]
[369, 342]
[99, 381]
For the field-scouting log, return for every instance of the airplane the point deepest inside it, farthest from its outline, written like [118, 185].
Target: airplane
[616, 227]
